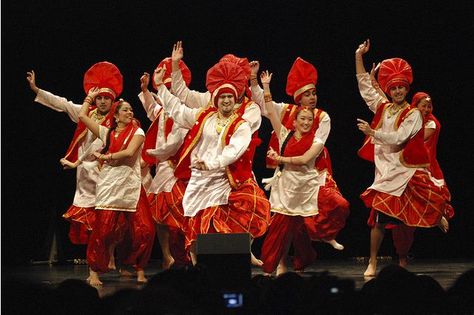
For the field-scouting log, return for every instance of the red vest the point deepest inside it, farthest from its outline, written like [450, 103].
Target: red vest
[414, 153]
[287, 118]
[237, 173]
[150, 137]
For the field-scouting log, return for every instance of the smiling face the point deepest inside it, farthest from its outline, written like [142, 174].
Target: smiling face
[425, 106]
[124, 114]
[398, 93]
[225, 104]
[309, 98]
[304, 120]
[103, 104]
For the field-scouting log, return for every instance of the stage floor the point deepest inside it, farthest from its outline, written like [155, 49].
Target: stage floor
[443, 271]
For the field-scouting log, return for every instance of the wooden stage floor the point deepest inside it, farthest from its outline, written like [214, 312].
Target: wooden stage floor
[443, 271]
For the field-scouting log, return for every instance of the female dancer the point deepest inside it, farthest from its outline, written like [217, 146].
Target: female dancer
[122, 214]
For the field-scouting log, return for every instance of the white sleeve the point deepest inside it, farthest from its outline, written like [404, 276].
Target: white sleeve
[253, 116]
[190, 98]
[370, 95]
[238, 143]
[181, 114]
[95, 146]
[149, 104]
[324, 128]
[173, 142]
[430, 124]
[59, 104]
[408, 128]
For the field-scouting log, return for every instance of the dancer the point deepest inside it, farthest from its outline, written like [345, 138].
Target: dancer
[122, 214]
[221, 196]
[81, 213]
[244, 106]
[163, 140]
[403, 191]
[333, 207]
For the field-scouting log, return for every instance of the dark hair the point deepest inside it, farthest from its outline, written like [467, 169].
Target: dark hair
[113, 125]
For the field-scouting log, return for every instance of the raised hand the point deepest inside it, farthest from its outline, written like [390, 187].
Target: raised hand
[93, 92]
[31, 78]
[144, 81]
[365, 127]
[254, 66]
[363, 48]
[177, 53]
[266, 77]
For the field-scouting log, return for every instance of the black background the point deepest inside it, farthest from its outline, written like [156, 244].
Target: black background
[60, 40]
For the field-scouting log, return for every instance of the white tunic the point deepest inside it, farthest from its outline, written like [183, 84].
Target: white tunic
[166, 147]
[87, 172]
[206, 188]
[391, 176]
[118, 185]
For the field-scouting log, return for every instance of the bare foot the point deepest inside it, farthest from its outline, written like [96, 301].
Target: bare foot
[335, 244]
[444, 225]
[255, 261]
[281, 269]
[141, 276]
[126, 273]
[167, 262]
[111, 265]
[371, 269]
[402, 262]
[94, 279]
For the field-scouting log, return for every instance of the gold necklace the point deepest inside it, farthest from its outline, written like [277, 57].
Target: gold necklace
[221, 123]
[392, 112]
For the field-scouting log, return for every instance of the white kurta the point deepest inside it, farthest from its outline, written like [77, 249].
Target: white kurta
[391, 176]
[118, 185]
[206, 188]
[87, 172]
[194, 99]
[165, 147]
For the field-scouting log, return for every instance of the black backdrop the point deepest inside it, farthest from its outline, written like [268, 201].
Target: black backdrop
[60, 40]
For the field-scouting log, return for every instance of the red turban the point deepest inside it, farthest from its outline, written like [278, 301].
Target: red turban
[167, 76]
[302, 77]
[107, 77]
[393, 72]
[225, 77]
[241, 62]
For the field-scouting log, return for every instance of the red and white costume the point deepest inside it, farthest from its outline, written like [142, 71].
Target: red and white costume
[402, 187]
[316, 208]
[224, 198]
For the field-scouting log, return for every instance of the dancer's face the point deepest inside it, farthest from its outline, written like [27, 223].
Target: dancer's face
[225, 104]
[124, 113]
[103, 104]
[309, 98]
[398, 93]
[425, 106]
[304, 121]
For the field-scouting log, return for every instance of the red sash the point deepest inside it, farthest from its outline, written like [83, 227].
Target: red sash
[123, 139]
[288, 116]
[81, 131]
[150, 137]
[414, 154]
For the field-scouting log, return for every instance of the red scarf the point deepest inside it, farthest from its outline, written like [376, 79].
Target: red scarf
[123, 139]
[299, 147]
[431, 145]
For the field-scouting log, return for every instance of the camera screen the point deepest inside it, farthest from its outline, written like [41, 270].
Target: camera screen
[233, 300]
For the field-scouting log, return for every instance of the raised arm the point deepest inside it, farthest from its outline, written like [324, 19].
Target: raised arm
[192, 99]
[149, 103]
[266, 78]
[91, 124]
[183, 115]
[59, 104]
